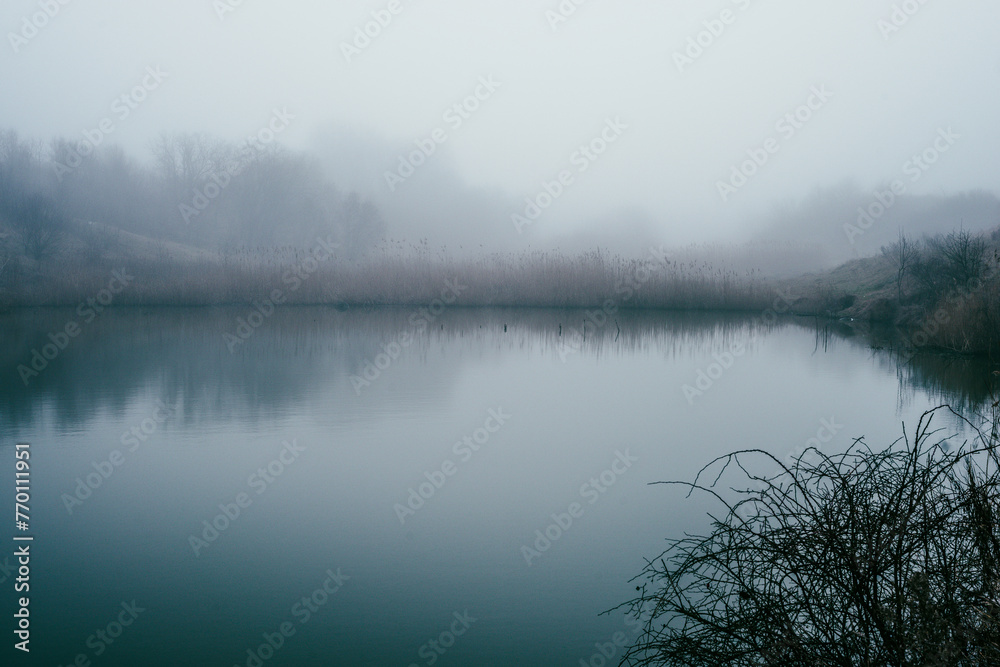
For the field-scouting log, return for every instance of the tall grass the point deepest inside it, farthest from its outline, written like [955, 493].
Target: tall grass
[540, 279]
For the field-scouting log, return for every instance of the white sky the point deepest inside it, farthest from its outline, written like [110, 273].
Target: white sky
[609, 59]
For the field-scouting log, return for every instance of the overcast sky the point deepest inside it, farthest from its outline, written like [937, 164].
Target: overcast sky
[679, 125]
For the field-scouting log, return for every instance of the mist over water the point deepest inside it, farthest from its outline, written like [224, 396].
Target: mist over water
[359, 333]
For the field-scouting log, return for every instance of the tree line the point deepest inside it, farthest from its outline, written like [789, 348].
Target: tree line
[196, 190]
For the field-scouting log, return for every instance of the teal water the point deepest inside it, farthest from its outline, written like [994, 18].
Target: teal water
[382, 510]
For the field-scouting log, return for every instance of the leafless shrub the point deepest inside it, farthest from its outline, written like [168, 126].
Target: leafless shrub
[949, 261]
[872, 557]
[964, 254]
[902, 253]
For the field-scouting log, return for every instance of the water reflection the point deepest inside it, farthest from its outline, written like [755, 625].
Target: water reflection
[577, 401]
[190, 353]
[968, 384]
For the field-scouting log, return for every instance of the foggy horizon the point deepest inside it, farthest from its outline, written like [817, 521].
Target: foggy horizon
[500, 100]
[507, 332]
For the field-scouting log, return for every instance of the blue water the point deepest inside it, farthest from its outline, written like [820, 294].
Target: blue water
[382, 510]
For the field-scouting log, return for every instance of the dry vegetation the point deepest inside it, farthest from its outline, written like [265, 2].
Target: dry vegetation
[940, 293]
[882, 558]
[197, 227]
[392, 278]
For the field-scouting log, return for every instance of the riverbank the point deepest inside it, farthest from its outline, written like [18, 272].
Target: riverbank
[936, 294]
[940, 293]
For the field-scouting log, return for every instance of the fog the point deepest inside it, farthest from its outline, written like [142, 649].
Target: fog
[499, 271]
[506, 96]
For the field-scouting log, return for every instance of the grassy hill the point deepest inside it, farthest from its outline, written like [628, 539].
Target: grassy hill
[941, 292]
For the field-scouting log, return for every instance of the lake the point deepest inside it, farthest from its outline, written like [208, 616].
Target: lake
[395, 487]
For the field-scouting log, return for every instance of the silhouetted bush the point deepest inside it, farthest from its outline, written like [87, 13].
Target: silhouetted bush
[947, 262]
[953, 303]
[871, 557]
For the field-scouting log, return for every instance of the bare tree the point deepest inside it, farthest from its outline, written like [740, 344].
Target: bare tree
[186, 161]
[965, 255]
[40, 227]
[903, 253]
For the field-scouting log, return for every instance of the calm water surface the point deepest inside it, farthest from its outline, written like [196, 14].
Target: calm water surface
[379, 515]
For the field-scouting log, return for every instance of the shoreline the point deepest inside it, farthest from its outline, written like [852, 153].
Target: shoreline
[880, 334]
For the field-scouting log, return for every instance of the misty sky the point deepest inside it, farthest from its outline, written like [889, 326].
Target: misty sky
[887, 93]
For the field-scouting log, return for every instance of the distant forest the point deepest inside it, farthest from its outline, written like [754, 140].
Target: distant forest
[213, 223]
[197, 191]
